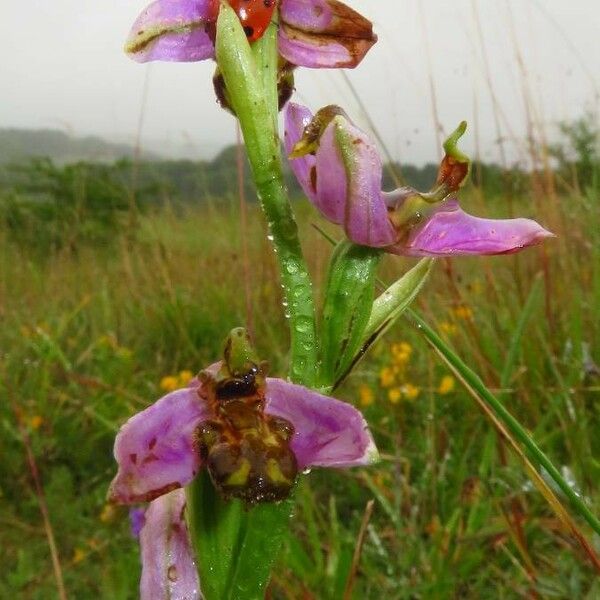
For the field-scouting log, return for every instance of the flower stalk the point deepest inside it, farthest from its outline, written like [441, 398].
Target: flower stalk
[251, 82]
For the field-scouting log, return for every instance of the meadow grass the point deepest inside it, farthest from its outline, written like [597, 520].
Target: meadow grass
[89, 334]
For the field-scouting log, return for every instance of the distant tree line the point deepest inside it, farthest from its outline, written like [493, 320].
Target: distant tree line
[45, 204]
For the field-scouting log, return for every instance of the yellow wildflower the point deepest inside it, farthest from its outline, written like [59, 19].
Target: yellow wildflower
[169, 383]
[108, 513]
[185, 377]
[124, 353]
[386, 377]
[446, 385]
[401, 352]
[35, 422]
[463, 312]
[365, 395]
[395, 395]
[78, 555]
[448, 328]
[405, 348]
[410, 391]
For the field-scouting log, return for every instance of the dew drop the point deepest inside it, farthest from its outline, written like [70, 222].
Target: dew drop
[172, 573]
[303, 327]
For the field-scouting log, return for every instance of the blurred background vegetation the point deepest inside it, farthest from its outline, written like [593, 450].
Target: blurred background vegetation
[119, 278]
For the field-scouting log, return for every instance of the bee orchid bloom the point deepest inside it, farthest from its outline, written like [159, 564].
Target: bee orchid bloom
[253, 433]
[340, 171]
[312, 33]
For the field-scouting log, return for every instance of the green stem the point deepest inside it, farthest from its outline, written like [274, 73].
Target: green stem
[533, 450]
[251, 82]
[236, 547]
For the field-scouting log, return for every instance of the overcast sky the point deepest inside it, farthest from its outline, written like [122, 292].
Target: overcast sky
[63, 67]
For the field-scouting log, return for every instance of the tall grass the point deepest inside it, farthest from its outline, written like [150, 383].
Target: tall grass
[87, 337]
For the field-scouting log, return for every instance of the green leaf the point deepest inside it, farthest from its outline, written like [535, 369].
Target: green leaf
[216, 529]
[515, 342]
[266, 525]
[235, 546]
[348, 300]
[395, 300]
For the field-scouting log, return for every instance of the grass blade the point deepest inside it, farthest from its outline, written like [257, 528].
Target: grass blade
[517, 437]
[515, 342]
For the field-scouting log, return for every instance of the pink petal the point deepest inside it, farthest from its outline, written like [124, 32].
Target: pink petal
[343, 180]
[348, 179]
[307, 53]
[332, 180]
[154, 449]
[309, 15]
[173, 30]
[327, 432]
[296, 118]
[168, 568]
[323, 33]
[451, 231]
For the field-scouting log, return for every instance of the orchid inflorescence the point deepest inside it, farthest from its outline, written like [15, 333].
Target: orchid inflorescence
[233, 429]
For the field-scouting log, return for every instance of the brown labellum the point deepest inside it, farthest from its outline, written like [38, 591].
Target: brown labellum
[247, 452]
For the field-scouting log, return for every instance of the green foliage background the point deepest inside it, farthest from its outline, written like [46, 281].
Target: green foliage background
[112, 277]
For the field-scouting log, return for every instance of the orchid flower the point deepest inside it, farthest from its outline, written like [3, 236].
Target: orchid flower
[253, 433]
[286, 428]
[340, 171]
[312, 33]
